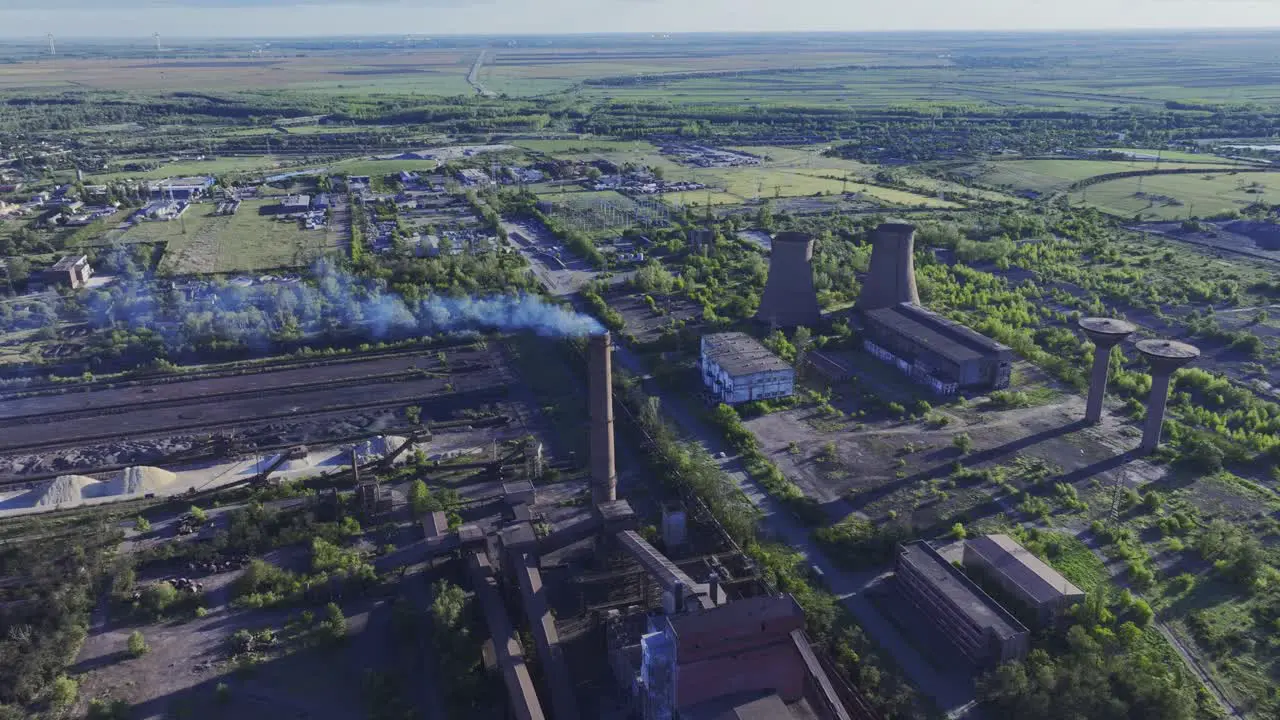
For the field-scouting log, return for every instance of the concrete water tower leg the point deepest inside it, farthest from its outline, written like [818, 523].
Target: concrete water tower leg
[1165, 356]
[1105, 333]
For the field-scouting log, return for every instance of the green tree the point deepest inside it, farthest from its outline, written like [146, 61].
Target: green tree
[199, 515]
[419, 498]
[335, 623]
[142, 524]
[138, 644]
[963, 443]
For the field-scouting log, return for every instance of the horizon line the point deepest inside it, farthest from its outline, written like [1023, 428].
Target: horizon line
[592, 33]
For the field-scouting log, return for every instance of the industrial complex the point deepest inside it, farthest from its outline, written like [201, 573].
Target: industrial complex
[707, 652]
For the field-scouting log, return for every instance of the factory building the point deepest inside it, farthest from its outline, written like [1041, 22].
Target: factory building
[737, 368]
[290, 205]
[72, 271]
[747, 659]
[183, 188]
[1039, 589]
[980, 629]
[944, 355]
[936, 351]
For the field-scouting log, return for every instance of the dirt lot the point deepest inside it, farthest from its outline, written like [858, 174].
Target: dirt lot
[908, 469]
[646, 325]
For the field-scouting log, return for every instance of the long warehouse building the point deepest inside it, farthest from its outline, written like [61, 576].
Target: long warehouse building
[933, 349]
[1038, 588]
[984, 632]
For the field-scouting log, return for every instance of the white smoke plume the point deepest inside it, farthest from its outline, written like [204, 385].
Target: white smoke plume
[338, 303]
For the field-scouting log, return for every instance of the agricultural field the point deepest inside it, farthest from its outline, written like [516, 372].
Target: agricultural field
[1050, 176]
[1170, 197]
[421, 71]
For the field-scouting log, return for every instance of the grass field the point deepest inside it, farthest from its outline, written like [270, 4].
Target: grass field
[1048, 176]
[379, 168]
[1169, 197]
[750, 183]
[243, 242]
[1172, 155]
[216, 166]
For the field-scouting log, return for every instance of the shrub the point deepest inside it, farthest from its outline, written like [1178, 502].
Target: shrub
[335, 623]
[1202, 455]
[958, 532]
[157, 597]
[107, 710]
[63, 693]
[1142, 613]
[142, 524]
[963, 443]
[138, 644]
[199, 515]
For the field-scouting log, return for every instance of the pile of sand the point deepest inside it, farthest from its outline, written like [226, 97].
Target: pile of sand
[65, 489]
[139, 479]
[287, 466]
[296, 464]
[378, 447]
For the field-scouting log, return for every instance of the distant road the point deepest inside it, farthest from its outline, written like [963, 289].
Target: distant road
[473, 77]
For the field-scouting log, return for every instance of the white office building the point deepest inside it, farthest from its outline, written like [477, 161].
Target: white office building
[737, 368]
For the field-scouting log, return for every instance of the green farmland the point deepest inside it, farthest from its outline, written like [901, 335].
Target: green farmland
[1170, 197]
[1049, 176]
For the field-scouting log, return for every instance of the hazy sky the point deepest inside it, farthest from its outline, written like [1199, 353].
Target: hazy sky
[231, 18]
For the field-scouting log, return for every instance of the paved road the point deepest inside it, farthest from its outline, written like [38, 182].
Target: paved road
[953, 692]
[473, 77]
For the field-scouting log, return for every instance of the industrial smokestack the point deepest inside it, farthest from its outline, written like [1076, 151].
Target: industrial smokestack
[1105, 333]
[891, 279]
[1164, 356]
[604, 476]
[790, 298]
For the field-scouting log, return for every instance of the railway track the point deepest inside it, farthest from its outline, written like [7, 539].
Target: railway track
[160, 377]
[37, 418]
[491, 392]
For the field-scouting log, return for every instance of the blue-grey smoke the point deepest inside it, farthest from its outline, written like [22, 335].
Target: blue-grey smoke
[196, 316]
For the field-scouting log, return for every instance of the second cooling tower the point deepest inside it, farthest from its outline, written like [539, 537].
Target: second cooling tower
[790, 298]
[891, 279]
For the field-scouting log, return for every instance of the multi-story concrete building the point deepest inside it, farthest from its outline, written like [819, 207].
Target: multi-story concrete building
[984, 632]
[72, 271]
[737, 368]
[1031, 584]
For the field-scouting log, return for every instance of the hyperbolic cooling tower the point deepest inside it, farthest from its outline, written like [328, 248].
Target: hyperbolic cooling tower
[891, 279]
[790, 298]
[604, 476]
